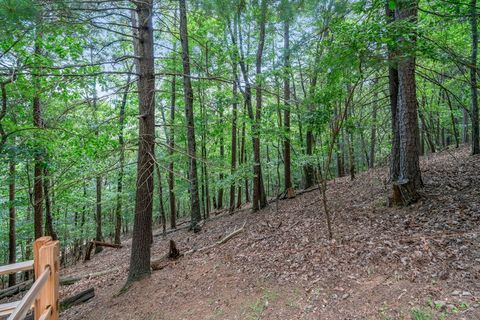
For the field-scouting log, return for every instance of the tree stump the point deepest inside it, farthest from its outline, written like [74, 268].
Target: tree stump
[404, 193]
[290, 193]
[173, 252]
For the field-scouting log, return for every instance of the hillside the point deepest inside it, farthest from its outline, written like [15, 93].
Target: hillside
[385, 263]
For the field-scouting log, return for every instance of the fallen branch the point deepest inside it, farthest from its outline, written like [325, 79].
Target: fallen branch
[68, 280]
[95, 243]
[220, 242]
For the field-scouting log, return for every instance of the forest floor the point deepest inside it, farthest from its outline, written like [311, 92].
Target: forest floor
[420, 262]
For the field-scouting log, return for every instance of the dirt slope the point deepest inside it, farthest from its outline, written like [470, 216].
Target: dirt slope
[385, 263]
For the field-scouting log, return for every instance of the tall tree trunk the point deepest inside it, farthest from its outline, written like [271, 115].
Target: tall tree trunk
[234, 137]
[454, 120]
[37, 122]
[222, 155]
[121, 143]
[188, 98]
[410, 178]
[286, 95]
[171, 149]
[12, 241]
[473, 78]
[242, 161]
[393, 90]
[142, 227]
[373, 132]
[259, 196]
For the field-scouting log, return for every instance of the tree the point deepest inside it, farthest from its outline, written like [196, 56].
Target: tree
[142, 227]
[410, 179]
[473, 78]
[188, 100]
[259, 196]
[286, 96]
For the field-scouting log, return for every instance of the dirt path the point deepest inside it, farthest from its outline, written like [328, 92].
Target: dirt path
[385, 263]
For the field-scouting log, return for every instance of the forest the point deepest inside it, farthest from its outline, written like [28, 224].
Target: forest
[132, 127]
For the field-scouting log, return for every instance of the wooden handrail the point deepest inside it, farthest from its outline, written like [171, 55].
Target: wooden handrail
[7, 308]
[43, 295]
[27, 301]
[16, 267]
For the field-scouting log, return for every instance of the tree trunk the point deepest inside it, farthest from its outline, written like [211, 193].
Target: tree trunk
[473, 78]
[259, 197]
[410, 175]
[37, 122]
[373, 132]
[49, 230]
[286, 92]
[142, 227]
[171, 149]
[188, 98]
[12, 241]
[393, 90]
[222, 156]
[161, 208]
[121, 142]
[234, 138]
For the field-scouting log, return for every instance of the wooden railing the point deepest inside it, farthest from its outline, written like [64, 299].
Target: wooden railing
[43, 295]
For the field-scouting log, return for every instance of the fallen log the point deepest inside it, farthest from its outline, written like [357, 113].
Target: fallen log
[68, 280]
[16, 289]
[95, 243]
[74, 300]
[80, 297]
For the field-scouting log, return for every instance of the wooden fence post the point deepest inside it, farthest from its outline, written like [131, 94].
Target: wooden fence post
[46, 256]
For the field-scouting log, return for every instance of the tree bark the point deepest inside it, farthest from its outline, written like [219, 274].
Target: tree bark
[142, 227]
[234, 137]
[37, 122]
[259, 196]
[49, 230]
[410, 175]
[121, 142]
[188, 98]
[393, 90]
[12, 241]
[473, 78]
[286, 92]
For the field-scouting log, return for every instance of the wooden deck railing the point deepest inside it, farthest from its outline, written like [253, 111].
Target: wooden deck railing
[43, 295]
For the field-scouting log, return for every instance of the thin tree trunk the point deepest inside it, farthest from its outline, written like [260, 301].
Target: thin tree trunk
[142, 228]
[222, 156]
[161, 208]
[473, 78]
[121, 142]
[188, 98]
[373, 132]
[454, 120]
[259, 197]
[49, 230]
[171, 168]
[234, 138]
[12, 241]
[286, 92]
[37, 122]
